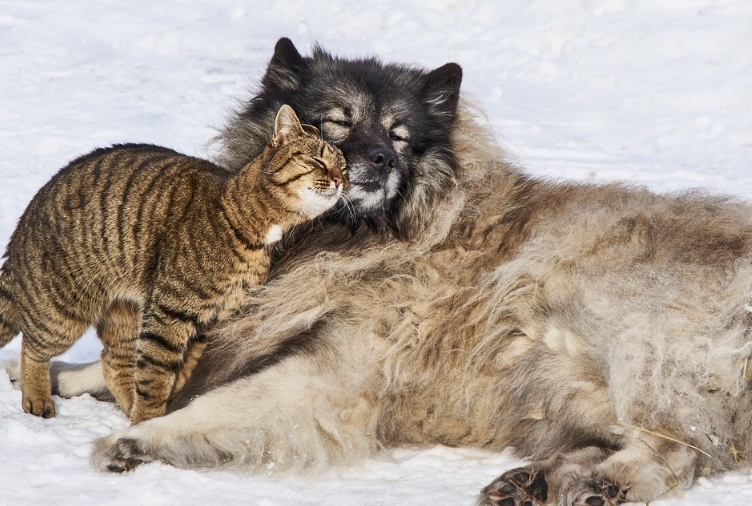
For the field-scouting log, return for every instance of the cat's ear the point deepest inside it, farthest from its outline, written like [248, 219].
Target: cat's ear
[286, 126]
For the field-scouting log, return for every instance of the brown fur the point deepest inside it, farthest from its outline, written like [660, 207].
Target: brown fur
[119, 238]
[603, 331]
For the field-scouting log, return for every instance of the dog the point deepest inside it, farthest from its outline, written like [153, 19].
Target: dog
[601, 331]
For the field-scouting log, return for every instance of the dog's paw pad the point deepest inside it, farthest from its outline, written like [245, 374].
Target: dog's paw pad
[598, 493]
[122, 455]
[518, 487]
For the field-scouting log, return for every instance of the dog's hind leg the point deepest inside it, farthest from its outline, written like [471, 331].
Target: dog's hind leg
[543, 482]
[644, 469]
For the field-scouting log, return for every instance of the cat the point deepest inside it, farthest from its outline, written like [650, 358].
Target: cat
[151, 247]
[600, 330]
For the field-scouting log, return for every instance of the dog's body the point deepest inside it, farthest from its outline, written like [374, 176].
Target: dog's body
[602, 331]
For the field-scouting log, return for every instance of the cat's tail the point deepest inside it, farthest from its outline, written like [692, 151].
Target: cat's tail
[8, 321]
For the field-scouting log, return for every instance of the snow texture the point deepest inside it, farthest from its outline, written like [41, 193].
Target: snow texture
[656, 93]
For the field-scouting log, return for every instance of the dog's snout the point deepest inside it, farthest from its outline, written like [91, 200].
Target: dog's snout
[383, 159]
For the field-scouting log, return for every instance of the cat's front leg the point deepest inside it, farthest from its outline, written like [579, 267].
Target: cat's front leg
[160, 352]
[196, 348]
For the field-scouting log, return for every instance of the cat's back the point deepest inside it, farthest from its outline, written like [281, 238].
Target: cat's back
[106, 168]
[123, 174]
[111, 193]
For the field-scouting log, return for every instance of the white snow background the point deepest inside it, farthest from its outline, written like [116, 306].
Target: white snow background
[652, 92]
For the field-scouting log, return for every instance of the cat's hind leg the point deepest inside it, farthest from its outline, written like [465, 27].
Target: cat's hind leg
[39, 344]
[67, 380]
[36, 386]
[118, 328]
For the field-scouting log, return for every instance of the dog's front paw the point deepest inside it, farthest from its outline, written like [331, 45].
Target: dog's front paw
[117, 455]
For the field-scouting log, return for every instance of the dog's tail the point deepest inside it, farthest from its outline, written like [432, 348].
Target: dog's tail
[8, 321]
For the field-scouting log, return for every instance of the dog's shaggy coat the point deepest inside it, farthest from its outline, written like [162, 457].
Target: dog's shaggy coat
[602, 331]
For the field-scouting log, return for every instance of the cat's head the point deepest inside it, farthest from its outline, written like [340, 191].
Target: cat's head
[308, 172]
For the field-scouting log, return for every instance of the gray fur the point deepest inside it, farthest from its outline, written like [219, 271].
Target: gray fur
[600, 330]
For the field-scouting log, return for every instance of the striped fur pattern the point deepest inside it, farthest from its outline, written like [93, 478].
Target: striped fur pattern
[602, 331]
[152, 247]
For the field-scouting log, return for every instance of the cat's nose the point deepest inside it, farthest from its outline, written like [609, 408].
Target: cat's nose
[337, 176]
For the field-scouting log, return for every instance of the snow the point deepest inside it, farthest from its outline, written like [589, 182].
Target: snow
[656, 93]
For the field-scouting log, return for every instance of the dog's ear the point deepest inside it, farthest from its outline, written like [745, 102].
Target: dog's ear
[285, 69]
[441, 91]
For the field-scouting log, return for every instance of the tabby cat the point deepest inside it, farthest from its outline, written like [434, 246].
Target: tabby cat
[151, 246]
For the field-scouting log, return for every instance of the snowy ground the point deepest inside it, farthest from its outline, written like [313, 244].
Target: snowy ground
[650, 92]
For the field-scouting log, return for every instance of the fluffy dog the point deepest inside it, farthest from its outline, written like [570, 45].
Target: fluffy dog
[603, 331]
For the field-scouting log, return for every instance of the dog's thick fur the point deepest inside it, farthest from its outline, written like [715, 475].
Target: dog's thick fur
[602, 331]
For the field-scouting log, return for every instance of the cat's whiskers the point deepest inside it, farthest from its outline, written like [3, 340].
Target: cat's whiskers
[348, 206]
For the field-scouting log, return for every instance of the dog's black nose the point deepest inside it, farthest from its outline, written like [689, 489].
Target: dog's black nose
[383, 159]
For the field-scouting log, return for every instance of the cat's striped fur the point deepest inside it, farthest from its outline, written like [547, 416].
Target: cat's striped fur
[151, 246]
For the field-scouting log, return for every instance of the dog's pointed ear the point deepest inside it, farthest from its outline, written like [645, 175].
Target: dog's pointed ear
[441, 90]
[286, 126]
[285, 68]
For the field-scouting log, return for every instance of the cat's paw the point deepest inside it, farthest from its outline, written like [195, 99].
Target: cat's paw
[13, 367]
[524, 486]
[38, 405]
[117, 455]
[597, 492]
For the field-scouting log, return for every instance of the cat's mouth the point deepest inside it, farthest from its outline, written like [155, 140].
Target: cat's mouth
[316, 201]
[334, 191]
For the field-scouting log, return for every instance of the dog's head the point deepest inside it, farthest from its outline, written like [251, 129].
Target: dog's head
[392, 122]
